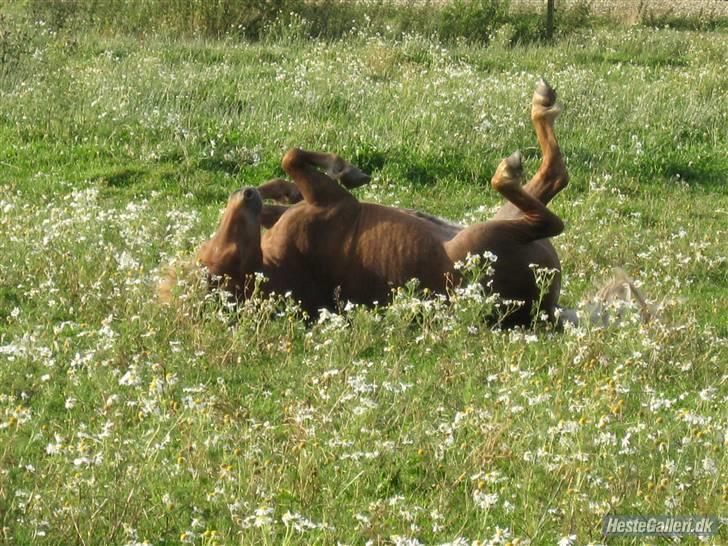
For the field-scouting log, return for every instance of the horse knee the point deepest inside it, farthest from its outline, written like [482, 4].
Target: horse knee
[548, 225]
[292, 160]
[555, 226]
[561, 180]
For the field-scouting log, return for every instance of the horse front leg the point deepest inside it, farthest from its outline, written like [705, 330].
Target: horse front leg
[316, 187]
[281, 191]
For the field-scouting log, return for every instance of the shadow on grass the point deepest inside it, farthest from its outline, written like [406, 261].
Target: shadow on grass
[215, 164]
[10, 298]
[369, 160]
[426, 170]
[704, 173]
[124, 177]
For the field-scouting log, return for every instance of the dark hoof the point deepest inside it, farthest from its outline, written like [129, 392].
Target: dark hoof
[352, 177]
[545, 95]
[515, 161]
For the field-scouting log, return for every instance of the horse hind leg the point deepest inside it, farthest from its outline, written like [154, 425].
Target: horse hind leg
[552, 176]
[535, 221]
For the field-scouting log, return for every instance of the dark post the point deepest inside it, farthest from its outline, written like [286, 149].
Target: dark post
[550, 18]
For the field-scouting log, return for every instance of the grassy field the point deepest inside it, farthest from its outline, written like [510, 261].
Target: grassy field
[123, 421]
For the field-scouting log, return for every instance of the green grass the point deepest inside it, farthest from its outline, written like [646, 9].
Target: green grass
[124, 421]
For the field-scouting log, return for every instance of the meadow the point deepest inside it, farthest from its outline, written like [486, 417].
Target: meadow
[125, 421]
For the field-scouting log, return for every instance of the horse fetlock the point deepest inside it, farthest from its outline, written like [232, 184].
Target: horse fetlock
[556, 174]
[561, 181]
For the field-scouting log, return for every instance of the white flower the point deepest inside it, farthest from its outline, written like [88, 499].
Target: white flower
[130, 378]
[260, 518]
[54, 448]
[126, 261]
[485, 501]
[710, 467]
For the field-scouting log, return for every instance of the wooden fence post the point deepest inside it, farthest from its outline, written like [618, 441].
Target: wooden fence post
[550, 19]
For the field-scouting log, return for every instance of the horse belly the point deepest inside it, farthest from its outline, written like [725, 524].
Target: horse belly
[387, 253]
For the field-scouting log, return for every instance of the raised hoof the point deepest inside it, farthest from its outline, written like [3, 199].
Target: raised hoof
[509, 173]
[544, 104]
[545, 95]
[514, 162]
[353, 177]
[349, 175]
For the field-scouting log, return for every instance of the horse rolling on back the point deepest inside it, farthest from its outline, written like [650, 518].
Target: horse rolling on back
[328, 242]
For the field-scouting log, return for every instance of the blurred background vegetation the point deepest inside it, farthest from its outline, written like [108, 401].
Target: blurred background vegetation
[451, 21]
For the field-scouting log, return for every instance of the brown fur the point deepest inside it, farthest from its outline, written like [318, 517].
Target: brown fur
[332, 243]
[234, 251]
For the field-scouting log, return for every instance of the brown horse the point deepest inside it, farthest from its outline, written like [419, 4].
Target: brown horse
[330, 243]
